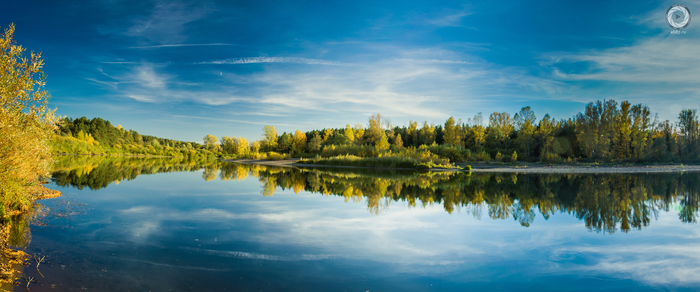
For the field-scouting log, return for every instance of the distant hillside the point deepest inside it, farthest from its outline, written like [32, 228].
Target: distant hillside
[99, 136]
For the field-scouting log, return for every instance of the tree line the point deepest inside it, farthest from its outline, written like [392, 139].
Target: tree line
[99, 136]
[603, 131]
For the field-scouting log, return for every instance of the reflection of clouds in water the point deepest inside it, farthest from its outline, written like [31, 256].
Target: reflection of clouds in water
[150, 218]
[400, 236]
[257, 256]
[414, 238]
[659, 264]
[209, 214]
[175, 266]
[143, 229]
[645, 257]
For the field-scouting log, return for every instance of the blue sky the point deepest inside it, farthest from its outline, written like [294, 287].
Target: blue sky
[182, 70]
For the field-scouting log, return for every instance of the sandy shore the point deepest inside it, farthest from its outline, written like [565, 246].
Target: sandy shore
[523, 168]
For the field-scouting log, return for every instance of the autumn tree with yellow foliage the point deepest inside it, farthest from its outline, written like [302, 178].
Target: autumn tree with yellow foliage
[26, 123]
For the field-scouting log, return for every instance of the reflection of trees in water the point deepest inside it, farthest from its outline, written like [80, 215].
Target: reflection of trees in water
[604, 202]
[14, 233]
[689, 202]
[96, 172]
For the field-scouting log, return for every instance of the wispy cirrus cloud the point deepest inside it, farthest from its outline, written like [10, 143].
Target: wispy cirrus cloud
[446, 17]
[180, 45]
[654, 60]
[147, 83]
[424, 83]
[432, 61]
[167, 22]
[222, 120]
[255, 60]
[111, 84]
[649, 71]
[119, 62]
[401, 87]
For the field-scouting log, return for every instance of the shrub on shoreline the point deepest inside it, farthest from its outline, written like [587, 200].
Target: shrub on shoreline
[378, 162]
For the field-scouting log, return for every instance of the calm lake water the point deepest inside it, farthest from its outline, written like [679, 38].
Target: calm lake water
[211, 226]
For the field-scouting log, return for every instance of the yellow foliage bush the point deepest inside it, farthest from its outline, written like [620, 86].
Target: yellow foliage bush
[26, 123]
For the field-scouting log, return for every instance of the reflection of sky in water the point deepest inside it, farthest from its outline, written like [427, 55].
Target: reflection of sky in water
[177, 231]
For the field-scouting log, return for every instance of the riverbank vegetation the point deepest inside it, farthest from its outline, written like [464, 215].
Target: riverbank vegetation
[375, 162]
[98, 136]
[26, 125]
[606, 131]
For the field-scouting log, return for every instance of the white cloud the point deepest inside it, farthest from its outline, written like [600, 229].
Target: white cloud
[425, 83]
[254, 60]
[406, 87]
[167, 22]
[448, 18]
[222, 120]
[660, 71]
[108, 83]
[658, 60]
[146, 76]
[180, 45]
[432, 61]
[146, 83]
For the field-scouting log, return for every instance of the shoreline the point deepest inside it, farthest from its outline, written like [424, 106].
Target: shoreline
[500, 168]
[15, 259]
[115, 155]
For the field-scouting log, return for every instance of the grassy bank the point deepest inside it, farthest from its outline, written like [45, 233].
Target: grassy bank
[71, 145]
[375, 162]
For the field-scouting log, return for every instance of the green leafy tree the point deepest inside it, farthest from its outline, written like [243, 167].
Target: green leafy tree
[478, 132]
[451, 133]
[383, 143]
[412, 133]
[427, 134]
[525, 124]
[624, 130]
[503, 122]
[228, 145]
[545, 133]
[641, 131]
[688, 128]
[327, 134]
[285, 143]
[359, 133]
[315, 143]
[374, 131]
[269, 142]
